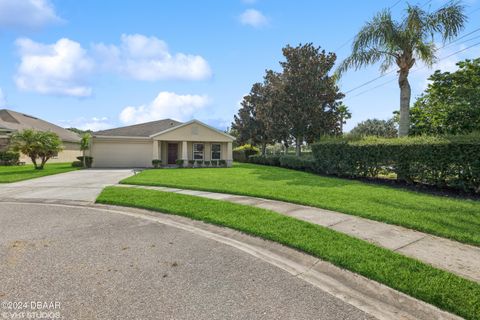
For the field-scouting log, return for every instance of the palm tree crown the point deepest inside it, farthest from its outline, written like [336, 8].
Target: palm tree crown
[403, 43]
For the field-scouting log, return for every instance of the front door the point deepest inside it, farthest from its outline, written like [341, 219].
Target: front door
[172, 153]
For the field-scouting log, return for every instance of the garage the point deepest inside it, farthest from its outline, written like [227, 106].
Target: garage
[111, 153]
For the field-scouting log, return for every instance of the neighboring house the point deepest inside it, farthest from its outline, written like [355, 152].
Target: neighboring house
[12, 121]
[166, 140]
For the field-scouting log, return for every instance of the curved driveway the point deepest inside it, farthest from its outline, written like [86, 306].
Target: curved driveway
[109, 266]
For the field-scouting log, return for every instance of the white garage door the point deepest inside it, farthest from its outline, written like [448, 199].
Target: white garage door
[114, 154]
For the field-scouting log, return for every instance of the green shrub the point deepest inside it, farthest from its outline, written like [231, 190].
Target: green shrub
[191, 162]
[88, 161]
[243, 153]
[9, 158]
[269, 160]
[297, 163]
[179, 162]
[206, 163]
[451, 161]
[156, 163]
[222, 163]
[77, 164]
[214, 163]
[199, 163]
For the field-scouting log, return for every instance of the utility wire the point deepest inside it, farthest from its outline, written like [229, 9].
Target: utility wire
[420, 68]
[391, 71]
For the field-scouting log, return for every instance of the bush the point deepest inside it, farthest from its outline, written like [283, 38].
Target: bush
[441, 161]
[9, 158]
[206, 163]
[222, 163]
[179, 162]
[77, 164]
[199, 163]
[243, 153]
[297, 163]
[269, 160]
[156, 163]
[88, 161]
[214, 163]
[191, 162]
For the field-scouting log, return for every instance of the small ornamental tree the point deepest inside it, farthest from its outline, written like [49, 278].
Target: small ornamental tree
[84, 146]
[39, 146]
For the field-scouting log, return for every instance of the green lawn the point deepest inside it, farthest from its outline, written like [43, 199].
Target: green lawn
[451, 218]
[440, 288]
[19, 173]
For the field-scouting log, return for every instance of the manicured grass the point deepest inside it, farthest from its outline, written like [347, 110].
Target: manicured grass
[19, 173]
[451, 218]
[440, 288]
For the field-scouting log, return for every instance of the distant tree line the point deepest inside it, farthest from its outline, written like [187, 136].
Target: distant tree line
[294, 106]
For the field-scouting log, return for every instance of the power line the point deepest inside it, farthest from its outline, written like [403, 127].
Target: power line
[420, 68]
[442, 47]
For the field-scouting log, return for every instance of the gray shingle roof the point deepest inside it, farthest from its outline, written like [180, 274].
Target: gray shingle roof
[16, 121]
[140, 130]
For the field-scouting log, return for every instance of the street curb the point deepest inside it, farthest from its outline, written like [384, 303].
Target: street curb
[367, 295]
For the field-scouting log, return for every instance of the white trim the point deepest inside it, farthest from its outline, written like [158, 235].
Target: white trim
[190, 122]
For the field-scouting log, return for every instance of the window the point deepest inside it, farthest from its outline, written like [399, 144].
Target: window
[216, 153]
[198, 151]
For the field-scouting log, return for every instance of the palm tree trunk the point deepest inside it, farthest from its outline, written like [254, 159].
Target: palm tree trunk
[83, 159]
[405, 94]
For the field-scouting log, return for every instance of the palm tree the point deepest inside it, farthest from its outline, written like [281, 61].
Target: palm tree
[403, 43]
[84, 146]
[344, 114]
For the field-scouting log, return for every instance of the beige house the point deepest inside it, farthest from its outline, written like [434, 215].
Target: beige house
[166, 140]
[12, 121]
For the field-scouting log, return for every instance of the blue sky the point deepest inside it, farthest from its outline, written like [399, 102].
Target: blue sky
[99, 64]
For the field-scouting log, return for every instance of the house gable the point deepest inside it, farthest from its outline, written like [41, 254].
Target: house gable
[193, 131]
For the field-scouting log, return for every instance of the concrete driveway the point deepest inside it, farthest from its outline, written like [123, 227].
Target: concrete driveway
[94, 264]
[80, 185]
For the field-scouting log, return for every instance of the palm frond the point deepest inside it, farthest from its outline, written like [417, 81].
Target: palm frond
[448, 20]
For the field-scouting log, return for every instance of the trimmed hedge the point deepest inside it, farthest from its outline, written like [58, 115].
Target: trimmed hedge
[9, 158]
[440, 161]
[286, 161]
[243, 153]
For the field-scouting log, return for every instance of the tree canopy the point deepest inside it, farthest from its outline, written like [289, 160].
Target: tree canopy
[37, 145]
[451, 102]
[300, 103]
[375, 127]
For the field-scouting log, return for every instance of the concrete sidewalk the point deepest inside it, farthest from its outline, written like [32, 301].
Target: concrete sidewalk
[455, 257]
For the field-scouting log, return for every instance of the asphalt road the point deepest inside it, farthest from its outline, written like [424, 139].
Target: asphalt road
[97, 265]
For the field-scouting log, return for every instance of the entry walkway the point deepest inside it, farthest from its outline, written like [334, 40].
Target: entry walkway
[455, 257]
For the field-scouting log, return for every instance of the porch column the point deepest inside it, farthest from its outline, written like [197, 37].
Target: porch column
[155, 155]
[229, 154]
[184, 151]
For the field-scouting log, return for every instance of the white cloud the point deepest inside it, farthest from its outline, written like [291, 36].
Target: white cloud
[27, 13]
[254, 18]
[60, 68]
[165, 105]
[3, 100]
[148, 58]
[94, 123]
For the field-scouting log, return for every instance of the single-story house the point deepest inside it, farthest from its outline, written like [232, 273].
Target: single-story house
[12, 121]
[166, 140]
